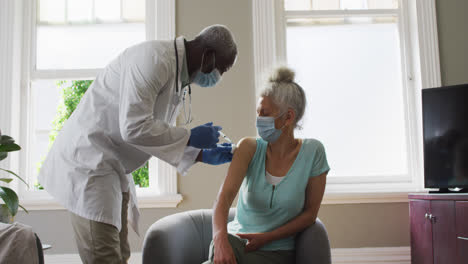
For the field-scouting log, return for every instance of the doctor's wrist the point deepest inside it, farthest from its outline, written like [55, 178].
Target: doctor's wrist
[199, 157]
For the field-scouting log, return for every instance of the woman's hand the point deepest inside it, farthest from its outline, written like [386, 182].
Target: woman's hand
[256, 240]
[223, 253]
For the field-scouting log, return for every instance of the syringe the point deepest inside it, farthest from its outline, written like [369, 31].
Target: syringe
[225, 137]
[228, 140]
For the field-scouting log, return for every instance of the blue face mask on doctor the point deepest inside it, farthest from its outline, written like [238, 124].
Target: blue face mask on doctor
[207, 79]
[266, 128]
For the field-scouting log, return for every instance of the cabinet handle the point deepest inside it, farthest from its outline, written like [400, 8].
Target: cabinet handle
[463, 238]
[430, 217]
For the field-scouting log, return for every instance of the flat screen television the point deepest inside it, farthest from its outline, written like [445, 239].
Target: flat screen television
[445, 129]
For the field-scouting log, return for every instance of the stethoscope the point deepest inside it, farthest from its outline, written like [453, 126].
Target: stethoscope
[189, 119]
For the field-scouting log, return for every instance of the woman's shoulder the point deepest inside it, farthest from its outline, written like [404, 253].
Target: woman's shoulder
[313, 144]
[247, 144]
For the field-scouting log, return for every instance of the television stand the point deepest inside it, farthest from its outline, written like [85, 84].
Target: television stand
[447, 190]
[439, 228]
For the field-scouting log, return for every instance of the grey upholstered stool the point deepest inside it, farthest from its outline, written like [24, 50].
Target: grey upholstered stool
[184, 238]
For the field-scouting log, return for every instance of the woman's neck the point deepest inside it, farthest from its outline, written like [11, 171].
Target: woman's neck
[284, 145]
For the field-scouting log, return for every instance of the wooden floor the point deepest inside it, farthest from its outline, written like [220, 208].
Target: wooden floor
[135, 258]
[380, 255]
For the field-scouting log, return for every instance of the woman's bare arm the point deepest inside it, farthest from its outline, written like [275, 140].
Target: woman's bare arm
[228, 191]
[236, 173]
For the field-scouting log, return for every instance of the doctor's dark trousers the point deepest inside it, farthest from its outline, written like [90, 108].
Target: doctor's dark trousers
[102, 243]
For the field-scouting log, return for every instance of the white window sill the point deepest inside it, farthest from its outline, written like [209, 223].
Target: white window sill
[355, 195]
[172, 200]
[359, 193]
[159, 201]
[362, 198]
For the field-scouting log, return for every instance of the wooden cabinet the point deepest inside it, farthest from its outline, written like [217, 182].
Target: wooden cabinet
[461, 211]
[439, 228]
[421, 232]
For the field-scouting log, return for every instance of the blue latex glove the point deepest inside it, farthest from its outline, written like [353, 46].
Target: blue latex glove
[219, 155]
[205, 136]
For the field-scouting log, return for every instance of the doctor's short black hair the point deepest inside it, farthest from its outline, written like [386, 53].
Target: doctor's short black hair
[220, 39]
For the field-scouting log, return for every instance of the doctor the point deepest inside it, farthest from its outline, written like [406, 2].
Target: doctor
[128, 115]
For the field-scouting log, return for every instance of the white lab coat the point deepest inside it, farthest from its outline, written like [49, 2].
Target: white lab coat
[126, 116]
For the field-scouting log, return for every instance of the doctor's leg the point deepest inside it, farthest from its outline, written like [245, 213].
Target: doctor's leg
[124, 246]
[97, 242]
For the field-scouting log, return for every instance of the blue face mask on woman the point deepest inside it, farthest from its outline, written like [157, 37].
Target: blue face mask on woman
[266, 128]
[207, 79]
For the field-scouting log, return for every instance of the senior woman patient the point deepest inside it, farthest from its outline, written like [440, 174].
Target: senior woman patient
[280, 179]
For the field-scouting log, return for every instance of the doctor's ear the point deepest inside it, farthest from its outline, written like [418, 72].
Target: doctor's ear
[208, 61]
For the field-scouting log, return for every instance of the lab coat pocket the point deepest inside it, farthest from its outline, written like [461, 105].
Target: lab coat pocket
[174, 109]
[176, 113]
[91, 156]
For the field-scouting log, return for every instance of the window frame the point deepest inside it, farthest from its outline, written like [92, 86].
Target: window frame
[420, 69]
[159, 24]
[95, 20]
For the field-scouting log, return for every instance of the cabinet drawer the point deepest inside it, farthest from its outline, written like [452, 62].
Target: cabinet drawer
[461, 211]
[462, 251]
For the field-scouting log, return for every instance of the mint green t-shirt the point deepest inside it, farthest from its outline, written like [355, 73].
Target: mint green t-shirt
[262, 207]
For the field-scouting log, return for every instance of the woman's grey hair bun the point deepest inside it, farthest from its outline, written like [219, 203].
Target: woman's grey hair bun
[282, 74]
[285, 92]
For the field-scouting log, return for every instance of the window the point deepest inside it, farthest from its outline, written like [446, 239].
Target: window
[66, 44]
[99, 29]
[355, 61]
[350, 68]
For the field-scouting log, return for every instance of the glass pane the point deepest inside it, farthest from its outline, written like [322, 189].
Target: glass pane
[298, 4]
[45, 99]
[84, 46]
[326, 4]
[133, 10]
[353, 4]
[141, 176]
[107, 10]
[339, 4]
[80, 10]
[382, 4]
[311, 4]
[51, 11]
[352, 77]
